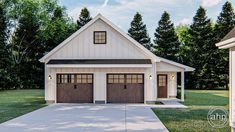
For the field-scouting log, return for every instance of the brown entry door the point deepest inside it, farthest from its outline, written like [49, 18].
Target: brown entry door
[125, 88]
[162, 86]
[74, 88]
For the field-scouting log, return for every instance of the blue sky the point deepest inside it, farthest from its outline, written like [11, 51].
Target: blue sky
[121, 12]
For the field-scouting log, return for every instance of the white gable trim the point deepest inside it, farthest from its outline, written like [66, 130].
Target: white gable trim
[226, 44]
[141, 47]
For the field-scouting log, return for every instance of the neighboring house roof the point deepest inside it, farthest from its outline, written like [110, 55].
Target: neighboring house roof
[228, 41]
[100, 61]
[230, 35]
[138, 45]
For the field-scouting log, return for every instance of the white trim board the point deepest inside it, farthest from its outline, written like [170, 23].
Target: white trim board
[226, 44]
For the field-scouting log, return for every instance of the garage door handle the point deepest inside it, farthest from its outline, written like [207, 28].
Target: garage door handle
[124, 86]
[75, 86]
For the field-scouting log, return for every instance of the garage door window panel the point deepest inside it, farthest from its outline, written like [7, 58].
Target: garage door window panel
[110, 78]
[121, 79]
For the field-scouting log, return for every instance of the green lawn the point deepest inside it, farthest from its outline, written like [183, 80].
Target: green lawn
[194, 118]
[14, 103]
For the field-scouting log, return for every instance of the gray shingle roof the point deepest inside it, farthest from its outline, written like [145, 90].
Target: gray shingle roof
[100, 61]
[230, 35]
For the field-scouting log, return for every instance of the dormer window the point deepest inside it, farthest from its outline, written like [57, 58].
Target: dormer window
[100, 37]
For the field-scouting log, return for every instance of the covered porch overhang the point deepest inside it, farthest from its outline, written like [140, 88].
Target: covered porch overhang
[182, 80]
[172, 67]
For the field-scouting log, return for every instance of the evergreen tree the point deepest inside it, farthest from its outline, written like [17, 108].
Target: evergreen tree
[184, 38]
[166, 41]
[84, 18]
[25, 44]
[201, 50]
[58, 28]
[4, 54]
[225, 23]
[138, 31]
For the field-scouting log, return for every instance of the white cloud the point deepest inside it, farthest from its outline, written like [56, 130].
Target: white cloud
[122, 12]
[184, 21]
[105, 3]
[210, 3]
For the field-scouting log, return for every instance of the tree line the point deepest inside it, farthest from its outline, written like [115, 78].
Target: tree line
[192, 45]
[31, 28]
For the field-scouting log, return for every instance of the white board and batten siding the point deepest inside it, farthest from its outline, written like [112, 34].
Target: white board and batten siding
[83, 47]
[99, 81]
[118, 46]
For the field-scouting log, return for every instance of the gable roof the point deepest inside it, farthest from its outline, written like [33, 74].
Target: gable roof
[228, 41]
[138, 45]
[230, 35]
[99, 16]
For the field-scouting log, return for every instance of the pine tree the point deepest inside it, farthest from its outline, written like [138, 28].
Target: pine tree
[201, 50]
[224, 24]
[25, 45]
[4, 54]
[166, 41]
[84, 18]
[138, 31]
[59, 28]
[184, 38]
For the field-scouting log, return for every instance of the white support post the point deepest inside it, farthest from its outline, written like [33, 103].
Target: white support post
[182, 86]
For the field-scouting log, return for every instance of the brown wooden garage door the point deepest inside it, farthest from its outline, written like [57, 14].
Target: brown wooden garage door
[74, 88]
[125, 88]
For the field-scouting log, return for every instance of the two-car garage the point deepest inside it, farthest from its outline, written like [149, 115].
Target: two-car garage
[121, 88]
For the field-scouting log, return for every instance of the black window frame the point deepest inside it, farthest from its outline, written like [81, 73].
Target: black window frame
[100, 32]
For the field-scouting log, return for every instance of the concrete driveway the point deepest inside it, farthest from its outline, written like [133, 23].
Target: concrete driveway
[87, 118]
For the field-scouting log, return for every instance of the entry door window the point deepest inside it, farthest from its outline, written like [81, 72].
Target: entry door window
[162, 81]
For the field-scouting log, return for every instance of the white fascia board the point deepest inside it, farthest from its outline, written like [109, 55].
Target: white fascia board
[230, 45]
[223, 44]
[99, 66]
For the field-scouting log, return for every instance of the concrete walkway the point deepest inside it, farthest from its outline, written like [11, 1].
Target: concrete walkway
[87, 118]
